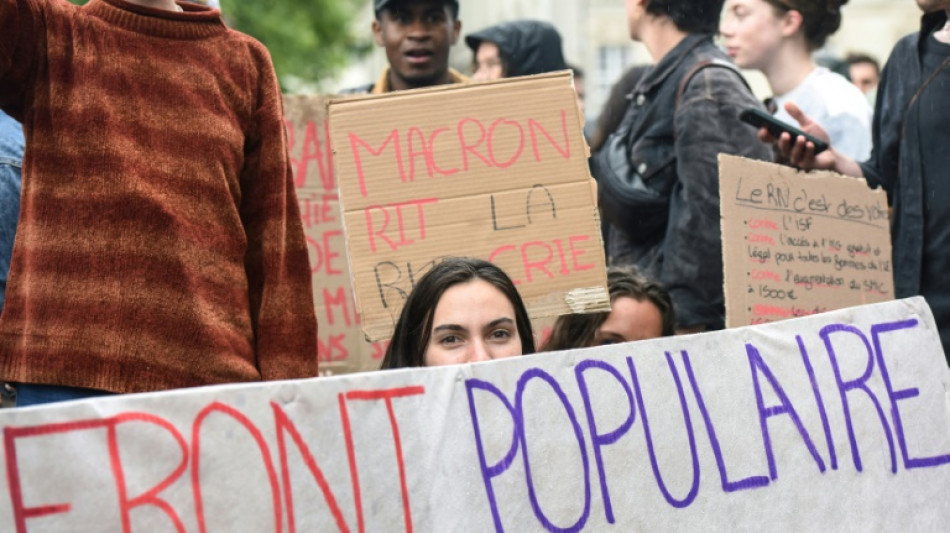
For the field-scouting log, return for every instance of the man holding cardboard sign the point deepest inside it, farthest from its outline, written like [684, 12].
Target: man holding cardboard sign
[417, 36]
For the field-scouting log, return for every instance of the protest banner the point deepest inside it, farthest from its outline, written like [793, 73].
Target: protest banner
[796, 244]
[833, 422]
[493, 170]
[342, 346]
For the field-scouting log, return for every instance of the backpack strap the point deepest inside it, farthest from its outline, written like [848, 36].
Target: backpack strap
[702, 65]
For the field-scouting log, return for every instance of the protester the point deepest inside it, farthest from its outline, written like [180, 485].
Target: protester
[910, 159]
[640, 309]
[779, 37]
[516, 48]
[615, 108]
[417, 36]
[580, 89]
[865, 73]
[658, 175]
[462, 311]
[160, 243]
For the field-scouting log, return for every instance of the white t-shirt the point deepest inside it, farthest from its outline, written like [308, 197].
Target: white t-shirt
[835, 103]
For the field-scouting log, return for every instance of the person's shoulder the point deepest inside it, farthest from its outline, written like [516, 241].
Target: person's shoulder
[841, 96]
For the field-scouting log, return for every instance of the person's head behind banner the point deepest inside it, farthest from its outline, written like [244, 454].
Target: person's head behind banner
[642, 309]
[689, 16]
[417, 36]
[463, 310]
[516, 48]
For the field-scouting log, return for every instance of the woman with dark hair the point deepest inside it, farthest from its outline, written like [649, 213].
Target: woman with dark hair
[463, 310]
[779, 37]
[640, 309]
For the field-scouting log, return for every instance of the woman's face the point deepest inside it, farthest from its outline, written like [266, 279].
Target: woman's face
[630, 320]
[473, 321]
[488, 65]
[752, 31]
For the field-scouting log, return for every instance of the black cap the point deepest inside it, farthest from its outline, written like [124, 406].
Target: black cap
[380, 4]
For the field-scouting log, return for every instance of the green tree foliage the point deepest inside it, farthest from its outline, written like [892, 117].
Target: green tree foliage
[309, 40]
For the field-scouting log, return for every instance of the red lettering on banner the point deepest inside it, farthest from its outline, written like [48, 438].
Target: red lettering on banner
[149, 497]
[258, 437]
[332, 349]
[340, 300]
[351, 457]
[414, 153]
[435, 165]
[374, 231]
[470, 148]
[312, 150]
[388, 395]
[491, 143]
[315, 209]
[284, 425]
[536, 127]
[532, 261]
[575, 253]
[356, 142]
[323, 253]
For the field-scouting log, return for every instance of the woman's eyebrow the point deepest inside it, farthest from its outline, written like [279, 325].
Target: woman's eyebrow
[499, 321]
[449, 327]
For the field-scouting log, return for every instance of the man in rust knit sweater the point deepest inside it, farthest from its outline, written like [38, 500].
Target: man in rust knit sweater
[159, 244]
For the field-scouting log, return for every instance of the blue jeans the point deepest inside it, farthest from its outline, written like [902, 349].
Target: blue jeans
[28, 394]
[11, 162]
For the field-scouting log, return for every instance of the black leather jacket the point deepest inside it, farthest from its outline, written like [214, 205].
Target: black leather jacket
[896, 160]
[687, 256]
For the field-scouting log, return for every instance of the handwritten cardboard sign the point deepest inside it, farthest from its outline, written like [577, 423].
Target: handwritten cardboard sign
[796, 244]
[342, 346]
[496, 171]
[833, 422]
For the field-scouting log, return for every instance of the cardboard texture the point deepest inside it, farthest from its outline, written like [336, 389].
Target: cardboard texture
[496, 171]
[833, 422]
[796, 244]
[342, 345]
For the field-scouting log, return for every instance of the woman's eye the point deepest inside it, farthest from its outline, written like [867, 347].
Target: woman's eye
[605, 342]
[501, 334]
[449, 340]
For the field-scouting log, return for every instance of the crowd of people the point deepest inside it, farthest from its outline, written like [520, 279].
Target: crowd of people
[158, 238]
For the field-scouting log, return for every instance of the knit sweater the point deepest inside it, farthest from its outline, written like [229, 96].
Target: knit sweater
[160, 242]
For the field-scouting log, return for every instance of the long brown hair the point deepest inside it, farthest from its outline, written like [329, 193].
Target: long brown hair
[414, 328]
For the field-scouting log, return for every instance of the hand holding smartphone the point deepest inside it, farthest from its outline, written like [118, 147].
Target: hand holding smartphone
[761, 119]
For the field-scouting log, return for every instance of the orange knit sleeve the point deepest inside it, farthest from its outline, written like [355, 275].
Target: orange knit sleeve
[277, 262]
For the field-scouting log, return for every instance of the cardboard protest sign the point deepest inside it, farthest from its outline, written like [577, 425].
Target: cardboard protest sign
[833, 422]
[495, 170]
[796, 244]
[342, 346]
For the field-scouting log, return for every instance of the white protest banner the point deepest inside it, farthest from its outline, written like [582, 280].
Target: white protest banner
[492, 170]
[834, 422]
[342, 346]
[797, 244]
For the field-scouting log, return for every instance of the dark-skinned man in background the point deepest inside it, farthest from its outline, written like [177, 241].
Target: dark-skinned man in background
[417, 36]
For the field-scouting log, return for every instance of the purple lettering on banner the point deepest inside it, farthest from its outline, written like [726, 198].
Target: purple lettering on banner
[859, 383]
[579, 435]
[821, 403]
[757, 365]
[904, 394]
[685, 502]
[489, 472]
[752, 482]
[598, 440]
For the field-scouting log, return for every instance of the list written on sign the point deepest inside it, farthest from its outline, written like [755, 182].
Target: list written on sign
[496, 171]
[341, 345]
[797, 244]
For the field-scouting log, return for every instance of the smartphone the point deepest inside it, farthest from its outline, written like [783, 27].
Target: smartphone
[761, 119]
